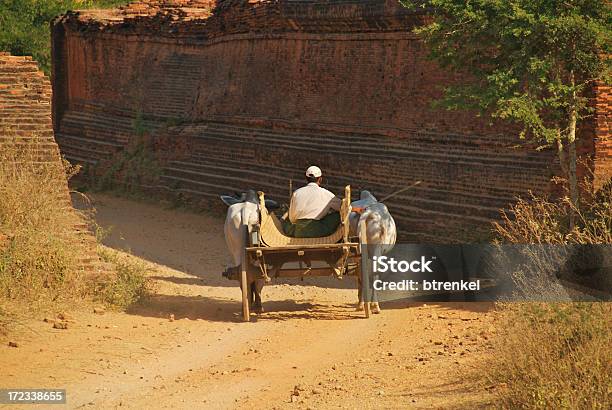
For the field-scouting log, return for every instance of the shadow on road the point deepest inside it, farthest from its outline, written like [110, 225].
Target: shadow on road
[184, 241]
[229, 310]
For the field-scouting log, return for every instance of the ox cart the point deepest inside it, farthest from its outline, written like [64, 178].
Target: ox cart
[269, 253]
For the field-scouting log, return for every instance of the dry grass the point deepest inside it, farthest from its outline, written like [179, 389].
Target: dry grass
[555, 355]
[38, 257]
[39, 245]
[541, 221]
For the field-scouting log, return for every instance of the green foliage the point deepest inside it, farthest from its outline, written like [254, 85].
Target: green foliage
[140, 126]
[131, 169]
[531, 61]
[128, 286]
[25, 25]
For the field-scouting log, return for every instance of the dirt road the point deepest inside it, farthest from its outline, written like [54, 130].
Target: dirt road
[309, 350]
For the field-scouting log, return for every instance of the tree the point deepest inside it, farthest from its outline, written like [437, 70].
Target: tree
[25, 25]
[532, 62]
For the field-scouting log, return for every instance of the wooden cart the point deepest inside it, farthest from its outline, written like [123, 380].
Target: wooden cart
[271, 254]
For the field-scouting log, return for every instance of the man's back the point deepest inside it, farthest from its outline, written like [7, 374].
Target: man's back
[312, 202]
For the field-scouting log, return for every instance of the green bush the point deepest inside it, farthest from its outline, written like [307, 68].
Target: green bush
[129, 170]
[25, 25]
[129, 285]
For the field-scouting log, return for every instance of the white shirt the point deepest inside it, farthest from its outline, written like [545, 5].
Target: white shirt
[312, 202]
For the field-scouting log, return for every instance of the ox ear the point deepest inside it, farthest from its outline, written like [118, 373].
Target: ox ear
[270, 204]
[229, 200]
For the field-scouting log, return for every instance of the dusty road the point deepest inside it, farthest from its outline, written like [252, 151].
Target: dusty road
[309, 350]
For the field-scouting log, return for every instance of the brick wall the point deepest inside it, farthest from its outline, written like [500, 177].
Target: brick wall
[25, 118]
[266, 88]
[603, 134]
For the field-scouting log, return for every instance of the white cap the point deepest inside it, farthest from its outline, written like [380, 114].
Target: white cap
[314, 172]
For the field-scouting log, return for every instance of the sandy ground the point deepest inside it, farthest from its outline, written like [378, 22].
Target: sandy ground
[309, 350]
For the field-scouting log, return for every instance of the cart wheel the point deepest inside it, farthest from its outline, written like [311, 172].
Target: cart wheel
[245, 288]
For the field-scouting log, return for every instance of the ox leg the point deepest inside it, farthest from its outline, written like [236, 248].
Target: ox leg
[256, 287]
[251, 293]
[360, 304]
[375, 307]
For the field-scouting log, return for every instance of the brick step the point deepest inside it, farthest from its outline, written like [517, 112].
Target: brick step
[43, 144]
[101, 109]
[29, 139]
[22, 82]
[19, 67]
[76, 159]
[380, 151]
[22, 120]
[242, 129]
[91, 131]
[22, 85]
[382, 155]
[43, 106]
[418, 136]
[90, 141]
[23, 93]
[91, 150]
[30, 127]
[28, 134]
[201, 160]
[83, 152]
[110, 128]
[15, 112]
[224, 184]
[419, 167]
[33, 91]
[80, 120]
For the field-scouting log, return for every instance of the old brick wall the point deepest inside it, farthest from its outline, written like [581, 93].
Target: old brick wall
[602, 165]
[264, 89]
[25, 119]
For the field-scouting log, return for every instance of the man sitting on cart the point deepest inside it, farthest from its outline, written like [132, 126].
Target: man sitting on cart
[313, 211]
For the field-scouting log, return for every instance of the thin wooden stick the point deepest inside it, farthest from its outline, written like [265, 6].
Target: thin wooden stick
[245, 287]
[400, 191]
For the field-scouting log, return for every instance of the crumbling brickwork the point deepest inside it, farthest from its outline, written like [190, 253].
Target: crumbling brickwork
[25, 119]
[602, 124]
[262, 89]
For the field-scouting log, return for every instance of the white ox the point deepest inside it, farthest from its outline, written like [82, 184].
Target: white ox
[380, 232]
[242, 215]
